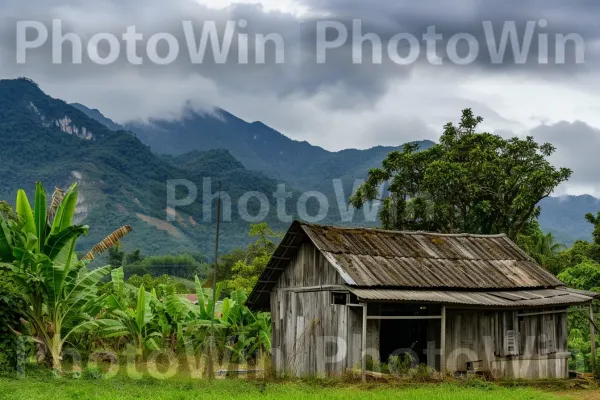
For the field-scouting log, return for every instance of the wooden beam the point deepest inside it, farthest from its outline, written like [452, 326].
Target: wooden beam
[593, 340]
[313, 288]
[443, 343]
[363, 346]
[405, 317]
[280, 258]
[542, 313]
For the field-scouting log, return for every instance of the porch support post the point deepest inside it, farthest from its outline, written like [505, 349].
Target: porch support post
[443, 342]
[363, 347]
[593, 340]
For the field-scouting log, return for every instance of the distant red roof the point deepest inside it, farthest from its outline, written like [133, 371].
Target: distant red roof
[192, 297]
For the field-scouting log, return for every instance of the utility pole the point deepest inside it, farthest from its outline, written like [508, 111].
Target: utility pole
[214, 292]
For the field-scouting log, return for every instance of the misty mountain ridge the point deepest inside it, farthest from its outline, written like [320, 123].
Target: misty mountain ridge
[308, 167]
[122, 181]
[260, 148]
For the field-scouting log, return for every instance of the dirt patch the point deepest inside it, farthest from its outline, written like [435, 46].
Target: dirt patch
[581, 395]
[162, 225]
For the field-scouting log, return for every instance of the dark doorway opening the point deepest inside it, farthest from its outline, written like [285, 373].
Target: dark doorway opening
[419, 337]
[401, 336]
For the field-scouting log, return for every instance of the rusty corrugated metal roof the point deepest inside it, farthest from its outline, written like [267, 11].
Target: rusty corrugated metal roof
[379, 258]
[514, 298]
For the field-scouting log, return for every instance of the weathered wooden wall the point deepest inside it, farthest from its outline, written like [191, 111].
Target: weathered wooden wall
[540, 344]
[353, 360]
[306, 326]
[312, 337]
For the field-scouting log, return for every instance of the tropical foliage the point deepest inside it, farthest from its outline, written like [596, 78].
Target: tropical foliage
[470, 182]
[57, 300]
[163, 285]
[153, 322]
[240, 269]
[37, 247]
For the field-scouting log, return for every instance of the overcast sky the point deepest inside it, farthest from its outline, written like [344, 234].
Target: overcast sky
[339, 104]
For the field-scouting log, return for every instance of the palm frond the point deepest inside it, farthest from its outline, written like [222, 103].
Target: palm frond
[108, 242]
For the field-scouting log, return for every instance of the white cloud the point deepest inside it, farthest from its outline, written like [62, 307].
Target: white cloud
[293, 7]
[533, 101]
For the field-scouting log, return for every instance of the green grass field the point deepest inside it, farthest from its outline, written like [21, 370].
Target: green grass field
[126, 388]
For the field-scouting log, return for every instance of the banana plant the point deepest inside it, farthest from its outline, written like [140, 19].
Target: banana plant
[251, 333]
[38, 247]
[174, 313]
[137, 323]
[61, 299]
[259, 333]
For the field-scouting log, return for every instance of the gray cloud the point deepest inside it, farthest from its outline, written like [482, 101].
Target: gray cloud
[337, 104]
[301, 73]
[577, 146]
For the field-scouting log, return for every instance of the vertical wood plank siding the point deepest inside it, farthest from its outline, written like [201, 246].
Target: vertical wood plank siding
[308, 328]
[541, 339]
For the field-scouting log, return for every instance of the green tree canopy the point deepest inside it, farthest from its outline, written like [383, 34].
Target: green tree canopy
[585, 276]
[470, 182]
[247, 266]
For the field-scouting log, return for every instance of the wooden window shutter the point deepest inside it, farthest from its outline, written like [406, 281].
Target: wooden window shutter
[511, 342]
[509, 333]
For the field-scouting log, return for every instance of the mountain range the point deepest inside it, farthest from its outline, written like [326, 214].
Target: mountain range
[257, 146]
[123, 172]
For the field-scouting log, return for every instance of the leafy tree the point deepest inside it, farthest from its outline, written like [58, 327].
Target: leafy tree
[248, 272]
[133, 257]
[469, 182]
[182, 266]
[585, 276]
[581, 252]
[596, 222]
[542, 247]
[251, 263]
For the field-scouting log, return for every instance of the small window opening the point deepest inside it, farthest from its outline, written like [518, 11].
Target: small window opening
[338, 298]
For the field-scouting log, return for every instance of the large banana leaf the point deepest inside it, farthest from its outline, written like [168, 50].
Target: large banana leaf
[82, 290]
[114, 327]
[200, 292]
[143, 313]
[25, 213]
[60, 242]
[40, 215]
[118, 280]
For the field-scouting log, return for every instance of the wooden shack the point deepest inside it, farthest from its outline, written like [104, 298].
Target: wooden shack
[349, 298]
